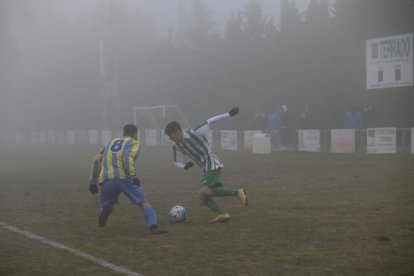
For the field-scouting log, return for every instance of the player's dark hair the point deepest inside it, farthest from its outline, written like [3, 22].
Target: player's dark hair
[172, 127]
[130, 130]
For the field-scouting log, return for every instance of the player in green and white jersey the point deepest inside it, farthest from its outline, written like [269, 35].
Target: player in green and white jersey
[193, 144]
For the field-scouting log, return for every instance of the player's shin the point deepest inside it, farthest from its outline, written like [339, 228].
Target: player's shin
[150, 216]
[213, 205]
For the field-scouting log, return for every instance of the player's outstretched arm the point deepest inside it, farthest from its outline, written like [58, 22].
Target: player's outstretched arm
[206, 126]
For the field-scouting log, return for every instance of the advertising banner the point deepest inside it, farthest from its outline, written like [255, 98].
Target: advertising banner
[343, 140]
[93, 136]
[60, 137]
[50, 137]
[228, 139]
[33, 137]
[41, 139]
[382, 140]
[389, 61]
[70, 134]
[82, 137]
[248, 139]
[309, 140]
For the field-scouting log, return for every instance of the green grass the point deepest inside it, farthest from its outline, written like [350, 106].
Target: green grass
[308, 214]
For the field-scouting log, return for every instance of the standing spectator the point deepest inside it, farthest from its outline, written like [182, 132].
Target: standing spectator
[305, 119]
[284, 126]
[273, 125]
[367, 116]
[353, 117]
[260, 120]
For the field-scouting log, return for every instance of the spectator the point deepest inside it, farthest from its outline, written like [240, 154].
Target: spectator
[353, 117]
[260, 120]
[273, 125]
[367, 116]
[284, 126]
[305, 119]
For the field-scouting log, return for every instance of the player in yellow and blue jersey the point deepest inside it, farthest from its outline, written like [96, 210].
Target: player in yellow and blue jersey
[113, 169]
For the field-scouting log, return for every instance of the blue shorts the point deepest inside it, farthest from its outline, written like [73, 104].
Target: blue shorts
[111, 189]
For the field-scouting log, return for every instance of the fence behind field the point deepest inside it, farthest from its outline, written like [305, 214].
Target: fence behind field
[371, 141]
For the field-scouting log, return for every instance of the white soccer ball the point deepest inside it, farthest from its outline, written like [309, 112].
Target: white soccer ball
[178, 214]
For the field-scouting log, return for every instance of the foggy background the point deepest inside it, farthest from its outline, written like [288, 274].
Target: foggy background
[84, 64]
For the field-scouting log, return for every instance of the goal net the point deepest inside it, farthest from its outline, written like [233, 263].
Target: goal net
[157, 117]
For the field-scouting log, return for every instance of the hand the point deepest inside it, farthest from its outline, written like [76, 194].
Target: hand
[234, 111]
[188, 165]
[93, 188]
[135, 181]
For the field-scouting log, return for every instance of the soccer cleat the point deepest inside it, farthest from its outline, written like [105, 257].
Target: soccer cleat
[241, 196]
[221, 218]
[156, 231]
[103, 217]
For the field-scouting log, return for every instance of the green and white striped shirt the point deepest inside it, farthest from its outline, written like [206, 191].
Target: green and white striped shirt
[196, 147]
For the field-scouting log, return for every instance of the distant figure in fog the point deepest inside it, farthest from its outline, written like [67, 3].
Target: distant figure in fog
[284, 126]
[367, 116]
[353, 117]
[273, 125]
[260, 120]
[305, 119]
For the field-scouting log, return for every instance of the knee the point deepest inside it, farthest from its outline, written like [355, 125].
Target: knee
[144, 204]
[204, 192]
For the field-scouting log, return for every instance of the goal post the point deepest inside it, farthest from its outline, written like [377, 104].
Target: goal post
[156, 117]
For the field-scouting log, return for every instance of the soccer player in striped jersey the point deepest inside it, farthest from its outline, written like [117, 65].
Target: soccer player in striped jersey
[113, 170]
[193, 144]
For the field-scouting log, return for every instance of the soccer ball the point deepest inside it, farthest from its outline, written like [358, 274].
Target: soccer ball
[178, 214]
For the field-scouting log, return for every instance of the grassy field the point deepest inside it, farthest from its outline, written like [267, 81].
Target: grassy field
[308, 214]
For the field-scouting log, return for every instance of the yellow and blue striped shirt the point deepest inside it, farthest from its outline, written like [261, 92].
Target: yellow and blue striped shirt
[115, 160]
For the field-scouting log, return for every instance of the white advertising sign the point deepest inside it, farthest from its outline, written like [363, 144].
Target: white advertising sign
[228, 139]
[50, 137]
[412, 140]
[42, 137]
[151, 137]
[389, 61]
[343, 140]
[309, 140]
[60, 137]
[93, 136]
[33, 137]
[382, 140]
[71, 138]
[82, 137]
[248, 138]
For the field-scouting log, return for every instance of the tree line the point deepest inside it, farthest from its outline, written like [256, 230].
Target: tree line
[50, 71]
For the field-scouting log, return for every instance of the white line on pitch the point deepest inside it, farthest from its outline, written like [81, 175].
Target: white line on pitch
[71, 250]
